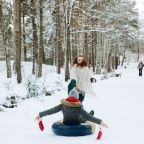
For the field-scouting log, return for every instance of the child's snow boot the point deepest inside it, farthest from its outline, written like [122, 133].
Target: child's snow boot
[91, 112]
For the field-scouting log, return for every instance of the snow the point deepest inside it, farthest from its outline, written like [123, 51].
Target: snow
[119, 103]
[140, 5]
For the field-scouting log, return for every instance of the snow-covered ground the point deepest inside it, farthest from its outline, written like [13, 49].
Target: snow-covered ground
[119, 103]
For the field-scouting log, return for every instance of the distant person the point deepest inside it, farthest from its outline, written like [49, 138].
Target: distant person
[72, 110]
[81, 78]
[140, 67]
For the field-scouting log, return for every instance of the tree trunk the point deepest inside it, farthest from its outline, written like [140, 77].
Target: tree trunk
[35, 37]
[86, 47]
[109, 55]
[138, 45]
[58, 36]
[8, 63]
[123, 58]
[4, 39]
[18, 39]
[93, 52]
[68, 42]
[42, 31]
[24, 38]
[40, 52]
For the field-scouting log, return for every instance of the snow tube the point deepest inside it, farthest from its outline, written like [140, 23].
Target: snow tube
[71, 130]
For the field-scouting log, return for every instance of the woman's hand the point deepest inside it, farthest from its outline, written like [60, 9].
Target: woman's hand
[104, 125]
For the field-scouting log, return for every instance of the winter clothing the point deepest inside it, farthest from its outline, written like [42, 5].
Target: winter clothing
[41, 126]
[81, 97]
[99, 134]
[140, 72]
[140, 67]
[92, 112]
[81, 78]
[73, 93]
[71, 85]
[71, 99]
[92, 80]
[71, 112]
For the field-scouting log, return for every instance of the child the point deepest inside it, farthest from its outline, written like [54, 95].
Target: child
[72, 110]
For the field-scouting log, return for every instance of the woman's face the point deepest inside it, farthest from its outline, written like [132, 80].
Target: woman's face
[80, 60]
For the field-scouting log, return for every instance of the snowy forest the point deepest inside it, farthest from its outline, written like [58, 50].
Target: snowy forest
[39, 41]
[55, 32]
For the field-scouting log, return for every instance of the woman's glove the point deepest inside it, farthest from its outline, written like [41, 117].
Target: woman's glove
[93, 80]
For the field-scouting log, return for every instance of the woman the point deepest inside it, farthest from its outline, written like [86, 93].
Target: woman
[81, 78]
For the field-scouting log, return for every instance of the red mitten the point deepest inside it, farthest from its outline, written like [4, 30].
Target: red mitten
[41, 126]
[99, 134]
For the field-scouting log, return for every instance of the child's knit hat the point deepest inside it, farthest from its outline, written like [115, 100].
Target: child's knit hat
[74, 93]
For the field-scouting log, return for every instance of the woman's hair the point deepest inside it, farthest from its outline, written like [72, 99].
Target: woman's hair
[84, 63]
